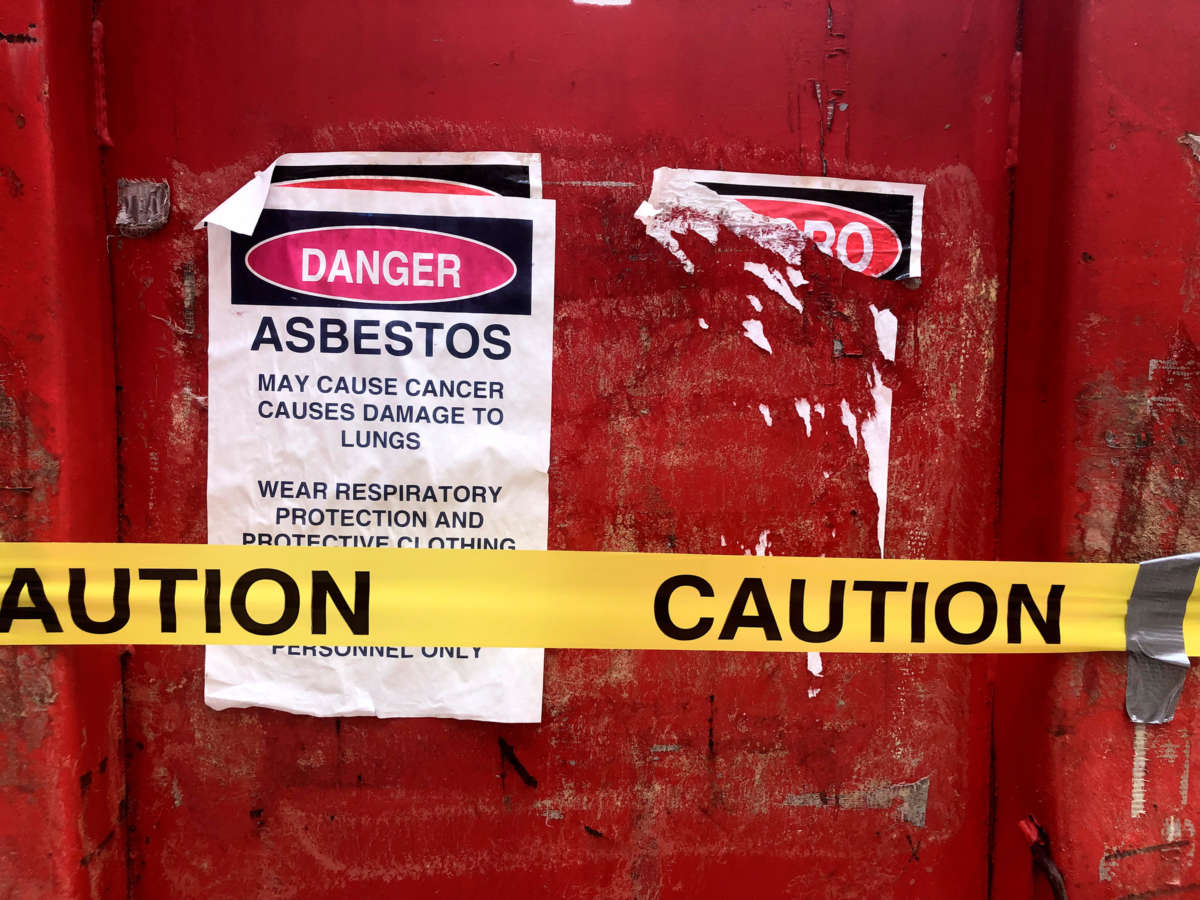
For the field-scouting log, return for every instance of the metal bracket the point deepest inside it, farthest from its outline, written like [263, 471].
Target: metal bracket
[143, 206]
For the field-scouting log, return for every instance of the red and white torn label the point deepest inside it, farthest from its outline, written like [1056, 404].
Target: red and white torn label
[872, 227]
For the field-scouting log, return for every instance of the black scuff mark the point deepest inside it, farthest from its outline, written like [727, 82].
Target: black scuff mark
[508, 755]
[16, 187]
[712, 743]
[594, 832]
[21, 38]
[87, 858]
[914, 848]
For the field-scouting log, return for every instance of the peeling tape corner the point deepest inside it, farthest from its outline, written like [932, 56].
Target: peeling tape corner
[1192, 142]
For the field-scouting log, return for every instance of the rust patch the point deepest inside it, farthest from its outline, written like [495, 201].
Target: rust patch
[27, 694]
[1153, 507]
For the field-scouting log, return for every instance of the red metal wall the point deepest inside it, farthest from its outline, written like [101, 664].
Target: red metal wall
[654, 774]
[61, 741]
[1103, 401]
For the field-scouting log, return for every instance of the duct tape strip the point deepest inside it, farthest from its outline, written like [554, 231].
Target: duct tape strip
[1157, 661]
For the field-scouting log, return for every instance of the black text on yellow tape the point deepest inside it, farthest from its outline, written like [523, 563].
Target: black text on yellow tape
[188, 594]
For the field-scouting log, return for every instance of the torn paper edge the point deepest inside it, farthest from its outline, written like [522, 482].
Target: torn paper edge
[886, 326]
[876, 432]
[804, 411]
[850, 420]
[240, 211]
[678, 205]
[774, 281]
[678, 201]
[754, 333]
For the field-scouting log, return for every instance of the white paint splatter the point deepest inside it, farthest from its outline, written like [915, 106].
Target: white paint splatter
[850, 421]
[877, 438]
[1183, 778]
[703, 324]
[1137, 793]
[774, 281]
[819, 409]
[1172, 829]
[804, 411]
[824, 474]
[723, 544]
[754, 331]
[755, 302]
[796, 277]
[764, 542]
[815, 669]
[885, 332]
[907, 801]
[766, 413]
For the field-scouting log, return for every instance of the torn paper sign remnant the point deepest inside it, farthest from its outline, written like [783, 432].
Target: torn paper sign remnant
[872, 227]
[379, 376]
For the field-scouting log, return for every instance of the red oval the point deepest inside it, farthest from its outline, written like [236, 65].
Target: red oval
[380, 264]
[398, 183]
[844, 239]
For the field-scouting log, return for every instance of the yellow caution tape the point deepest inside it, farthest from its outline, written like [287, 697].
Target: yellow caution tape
[195, 594]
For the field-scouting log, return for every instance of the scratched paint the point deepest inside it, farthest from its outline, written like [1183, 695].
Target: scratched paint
[885, 331]
[909, 800]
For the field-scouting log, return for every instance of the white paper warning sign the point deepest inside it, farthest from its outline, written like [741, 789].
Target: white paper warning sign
[379, 376]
